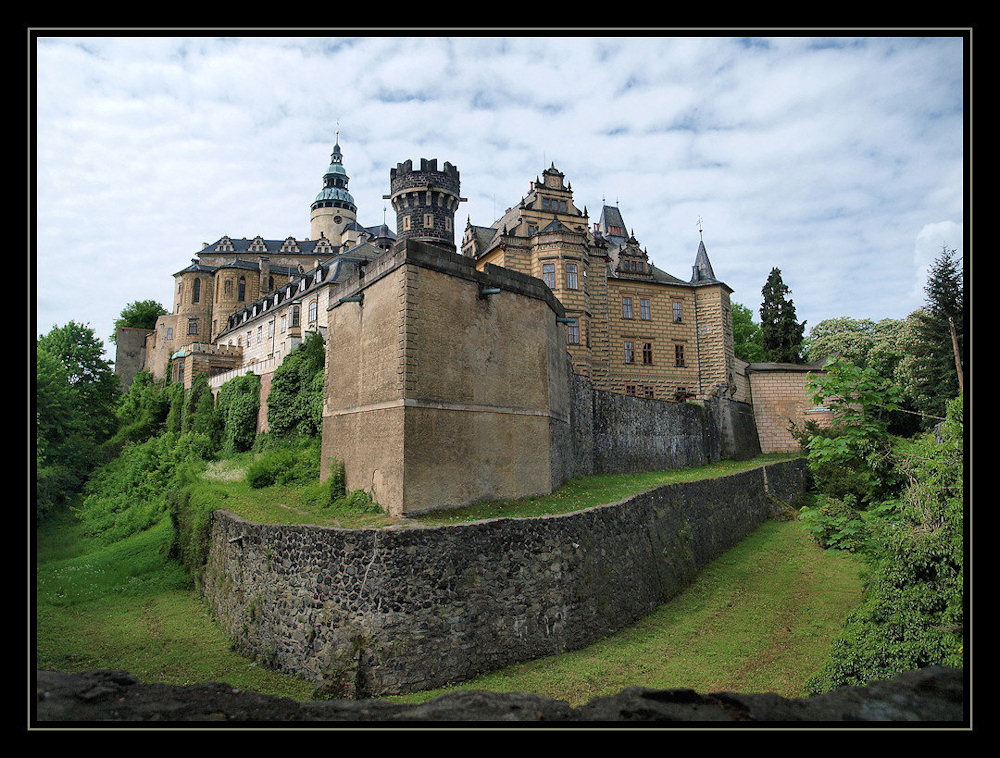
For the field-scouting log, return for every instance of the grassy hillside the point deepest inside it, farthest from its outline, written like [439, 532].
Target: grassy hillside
[760, 618]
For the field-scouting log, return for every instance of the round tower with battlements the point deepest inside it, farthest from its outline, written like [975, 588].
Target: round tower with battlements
[334, 208]
[425, 202]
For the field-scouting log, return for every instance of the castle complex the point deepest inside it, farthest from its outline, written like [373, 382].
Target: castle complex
[629, 326]
[487, 369]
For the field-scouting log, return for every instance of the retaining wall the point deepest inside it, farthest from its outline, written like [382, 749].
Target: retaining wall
[380, 611]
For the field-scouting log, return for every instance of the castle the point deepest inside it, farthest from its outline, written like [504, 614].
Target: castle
[446, 359]
[630, 326]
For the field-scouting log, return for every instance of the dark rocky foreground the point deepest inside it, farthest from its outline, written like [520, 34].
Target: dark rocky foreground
[933, 696]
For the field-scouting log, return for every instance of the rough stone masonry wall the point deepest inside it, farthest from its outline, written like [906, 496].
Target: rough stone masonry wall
[613, 433]
[379, 611]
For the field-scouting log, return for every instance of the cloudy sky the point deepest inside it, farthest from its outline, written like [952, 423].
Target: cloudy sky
[839, 160]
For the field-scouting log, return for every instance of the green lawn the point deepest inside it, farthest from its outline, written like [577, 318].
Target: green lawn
[760, 618]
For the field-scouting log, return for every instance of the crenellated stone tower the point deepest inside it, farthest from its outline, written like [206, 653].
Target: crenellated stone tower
[425, 202]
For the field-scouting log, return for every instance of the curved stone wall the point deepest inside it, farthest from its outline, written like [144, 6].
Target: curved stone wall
[381, 611]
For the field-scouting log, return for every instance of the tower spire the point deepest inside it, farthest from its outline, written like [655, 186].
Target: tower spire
[333, 207]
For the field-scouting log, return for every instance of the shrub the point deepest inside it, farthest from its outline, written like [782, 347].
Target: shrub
[295, 401]
[237, 407]
[130, 494]
[912, 611]
[296, 464]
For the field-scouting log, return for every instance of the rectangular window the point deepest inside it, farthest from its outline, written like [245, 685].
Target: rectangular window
[573, 332]
[270, 329]
[549, 275]
[678, 355]
[284, 322]
[170, 332]
[295, 315]
[249, 338]
[648, 392]
[571, 278]
[630, 389]
[428, 221]
[260, 334]
[626, 307]
[406, 223]
[647, 352]
[644, 311]
[192, 326]
[629, 352]
[312, 311]
[678, 313]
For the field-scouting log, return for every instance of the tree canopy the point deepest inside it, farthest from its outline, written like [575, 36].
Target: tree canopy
[139, 314]
[747, 339]
[781, 333]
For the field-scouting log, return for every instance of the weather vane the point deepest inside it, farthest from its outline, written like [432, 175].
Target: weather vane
[699, 227]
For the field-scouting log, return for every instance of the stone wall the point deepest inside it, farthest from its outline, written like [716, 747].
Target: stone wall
[379, 611]
[612, 433]
[130, 353]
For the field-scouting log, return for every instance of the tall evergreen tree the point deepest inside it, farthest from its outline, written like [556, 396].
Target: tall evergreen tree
[781, 333]
[936, 375]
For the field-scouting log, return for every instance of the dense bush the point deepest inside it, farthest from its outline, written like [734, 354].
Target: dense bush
[236, 410]
[130, 493]
[295, 401]
[298, 464]
[912, 612]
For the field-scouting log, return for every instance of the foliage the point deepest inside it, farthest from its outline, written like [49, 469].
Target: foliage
[141, 412]
[198, 408]
[130, 493]
[88, 373]
[855, 455]
[781, 333]
[286, 465]
[935, 376]
[838, 523]
[912, 614]
[747, 338]
[295, 401]
[140, 314]
[336, 480]
[237, 406]
[75, 393]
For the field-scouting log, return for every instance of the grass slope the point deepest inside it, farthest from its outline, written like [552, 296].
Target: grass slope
[760, 618]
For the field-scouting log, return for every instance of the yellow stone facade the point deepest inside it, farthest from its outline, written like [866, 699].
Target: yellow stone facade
[632, 328]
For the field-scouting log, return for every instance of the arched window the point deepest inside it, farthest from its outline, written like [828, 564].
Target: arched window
[196, 291]
[227, 287]
[313, 307]
[270, 283]
[242, 290]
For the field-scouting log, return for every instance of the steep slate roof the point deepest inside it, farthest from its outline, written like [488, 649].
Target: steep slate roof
[272, 247]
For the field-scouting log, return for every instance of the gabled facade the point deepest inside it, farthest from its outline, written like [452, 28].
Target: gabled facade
[631, 327]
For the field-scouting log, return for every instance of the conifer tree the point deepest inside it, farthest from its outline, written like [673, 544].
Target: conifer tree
[936, 374]
[780, 331]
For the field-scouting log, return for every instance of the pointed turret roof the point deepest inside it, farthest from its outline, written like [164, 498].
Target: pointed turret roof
[702, 269]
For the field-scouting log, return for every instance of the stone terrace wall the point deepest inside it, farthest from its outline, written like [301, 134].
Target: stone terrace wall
[380, 611]
[613, 433]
